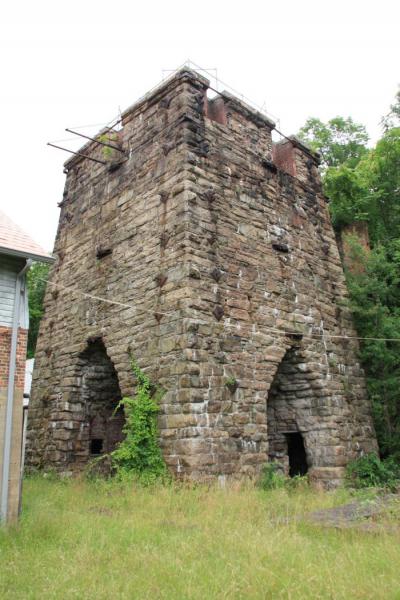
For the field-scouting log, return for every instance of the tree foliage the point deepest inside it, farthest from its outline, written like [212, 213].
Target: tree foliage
[339, 141]
[37, 276]
[369, 191]
[345, 187]
[364, 185]
[375, 303]
[392, 119]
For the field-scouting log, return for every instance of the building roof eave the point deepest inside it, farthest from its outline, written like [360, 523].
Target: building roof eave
[45, 258]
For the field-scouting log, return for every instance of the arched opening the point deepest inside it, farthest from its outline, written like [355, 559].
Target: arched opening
[100, 394]
[288, 411]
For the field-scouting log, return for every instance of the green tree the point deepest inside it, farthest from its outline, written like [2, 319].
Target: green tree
[347, 190]
[37, 276]
[380, 172]
[364, 185]
[375, 303]
[370, 191]
[392, 119]
[339, 141]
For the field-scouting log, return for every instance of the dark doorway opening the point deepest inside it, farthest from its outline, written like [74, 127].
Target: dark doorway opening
[297, 454]
[96, 446]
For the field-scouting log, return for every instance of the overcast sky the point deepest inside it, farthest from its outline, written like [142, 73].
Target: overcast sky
[66, 64]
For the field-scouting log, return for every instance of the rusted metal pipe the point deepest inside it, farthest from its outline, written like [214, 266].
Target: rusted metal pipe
[97, 141]
[102, 162]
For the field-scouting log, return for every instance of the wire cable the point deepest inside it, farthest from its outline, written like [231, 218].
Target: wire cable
[101, 299]
[324, 335]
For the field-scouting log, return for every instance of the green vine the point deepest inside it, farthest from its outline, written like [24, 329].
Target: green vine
[139, 454]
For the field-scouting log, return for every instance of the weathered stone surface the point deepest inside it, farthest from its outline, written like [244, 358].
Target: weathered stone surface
[220, 258]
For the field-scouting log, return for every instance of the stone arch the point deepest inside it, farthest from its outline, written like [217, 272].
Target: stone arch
[303, 432]
[99, 394]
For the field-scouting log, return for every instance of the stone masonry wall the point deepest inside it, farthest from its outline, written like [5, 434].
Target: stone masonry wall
[220, 251]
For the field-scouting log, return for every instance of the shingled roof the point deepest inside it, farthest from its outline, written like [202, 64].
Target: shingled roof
[15, 242]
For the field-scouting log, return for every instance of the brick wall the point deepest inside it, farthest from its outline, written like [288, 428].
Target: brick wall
[16, 434]
[5, 344]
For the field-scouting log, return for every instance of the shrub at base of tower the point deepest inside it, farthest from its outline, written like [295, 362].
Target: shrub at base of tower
[370, 471]
[139, 456]
[273, 478]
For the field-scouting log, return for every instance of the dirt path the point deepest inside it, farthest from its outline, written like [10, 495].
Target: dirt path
[360, 514]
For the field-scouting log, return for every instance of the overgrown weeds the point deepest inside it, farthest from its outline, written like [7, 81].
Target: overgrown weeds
[139, 455]
[273, 478]
[371, 471]
[117, 539]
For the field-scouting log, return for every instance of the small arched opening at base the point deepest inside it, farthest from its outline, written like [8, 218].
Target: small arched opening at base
[100, 395]
[287, 412]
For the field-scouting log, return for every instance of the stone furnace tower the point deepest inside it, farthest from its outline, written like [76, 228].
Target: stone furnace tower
[215, 251]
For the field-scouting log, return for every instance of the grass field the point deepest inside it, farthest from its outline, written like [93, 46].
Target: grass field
[89, 540]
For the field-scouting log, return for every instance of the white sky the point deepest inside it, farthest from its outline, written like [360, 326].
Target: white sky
[66, 64]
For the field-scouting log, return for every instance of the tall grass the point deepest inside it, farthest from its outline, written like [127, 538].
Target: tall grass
[102, 540]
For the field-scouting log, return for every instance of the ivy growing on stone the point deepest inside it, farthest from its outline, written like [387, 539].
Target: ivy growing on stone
[139, 454]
